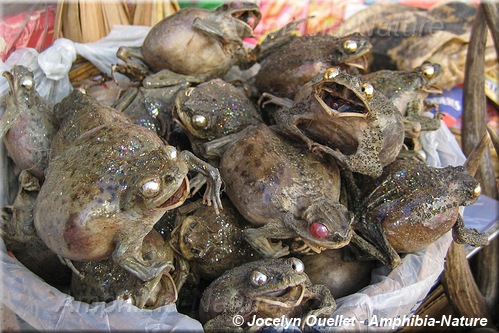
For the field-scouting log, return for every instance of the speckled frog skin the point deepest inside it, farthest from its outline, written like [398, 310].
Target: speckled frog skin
[108, 184]
[266, 288]
[213, 109]
[284, 191]
[340, 115]
[28, 125]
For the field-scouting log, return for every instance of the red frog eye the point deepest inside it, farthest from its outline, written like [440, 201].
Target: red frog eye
[318, 230]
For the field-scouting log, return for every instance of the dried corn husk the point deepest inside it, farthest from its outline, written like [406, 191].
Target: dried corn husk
[87, 21]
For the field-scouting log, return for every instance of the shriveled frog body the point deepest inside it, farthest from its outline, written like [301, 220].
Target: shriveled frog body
[27, 126]
[197, 43]
[284, 191]
[105, 281]
[213, 109]
[408, 91]
[286, 70]
[267, 288]
[18, 231]
[412, 204]
[211, 243]
[345, 117]
[109, 182]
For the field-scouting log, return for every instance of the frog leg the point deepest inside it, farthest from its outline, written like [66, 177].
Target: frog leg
[260, 239]
[267, 98]
[128, 254]
[210, 28]
[427, 123]
[217, 147]
[326, 306]
[167, 78]
[463, 235]
[126, 99]
[376, 244]
[134, 66]
[212, 175]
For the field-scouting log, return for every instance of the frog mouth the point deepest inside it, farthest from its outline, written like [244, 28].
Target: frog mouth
[177, 198]
[285, 298]
[339, 101]
[359, 62]
[433, 90]
[250, 17]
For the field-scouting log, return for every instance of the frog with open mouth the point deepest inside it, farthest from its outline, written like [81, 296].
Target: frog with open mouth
[108, 183]
[193, 45]
[343, 116]
[284, 71]
[267, 288]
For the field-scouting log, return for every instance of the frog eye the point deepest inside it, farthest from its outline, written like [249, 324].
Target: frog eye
[27, 83]
[171, 153]
[257, 278]
[318, 230]
[199, 121]
[189, 91]
[297, 265]
[331, 73]
[368, 90]
[150, 188]
[428, 71]
[477, 191]
[350, 46]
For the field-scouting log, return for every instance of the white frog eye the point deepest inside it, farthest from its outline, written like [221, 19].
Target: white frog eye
[331, 73]
[150, 188]
[297, 265]
[428, 70]
[368, 90]
[199, 121]
[477, 191]
[171, 153]
[27, 83]
[350, 46]
[257, 278]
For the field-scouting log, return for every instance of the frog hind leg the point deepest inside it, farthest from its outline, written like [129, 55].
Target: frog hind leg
[463, 235]
[260, 239]
[372, 241]
[325, 306]
[427, 123]
[129, 256]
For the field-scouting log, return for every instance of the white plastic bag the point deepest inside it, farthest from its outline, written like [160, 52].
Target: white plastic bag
[102, 53]
[46, 308]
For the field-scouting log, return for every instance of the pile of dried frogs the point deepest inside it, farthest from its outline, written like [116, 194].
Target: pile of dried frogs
[309, 161]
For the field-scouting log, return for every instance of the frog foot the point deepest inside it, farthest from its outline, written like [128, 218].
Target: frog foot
[463, 235]
[264, 246]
